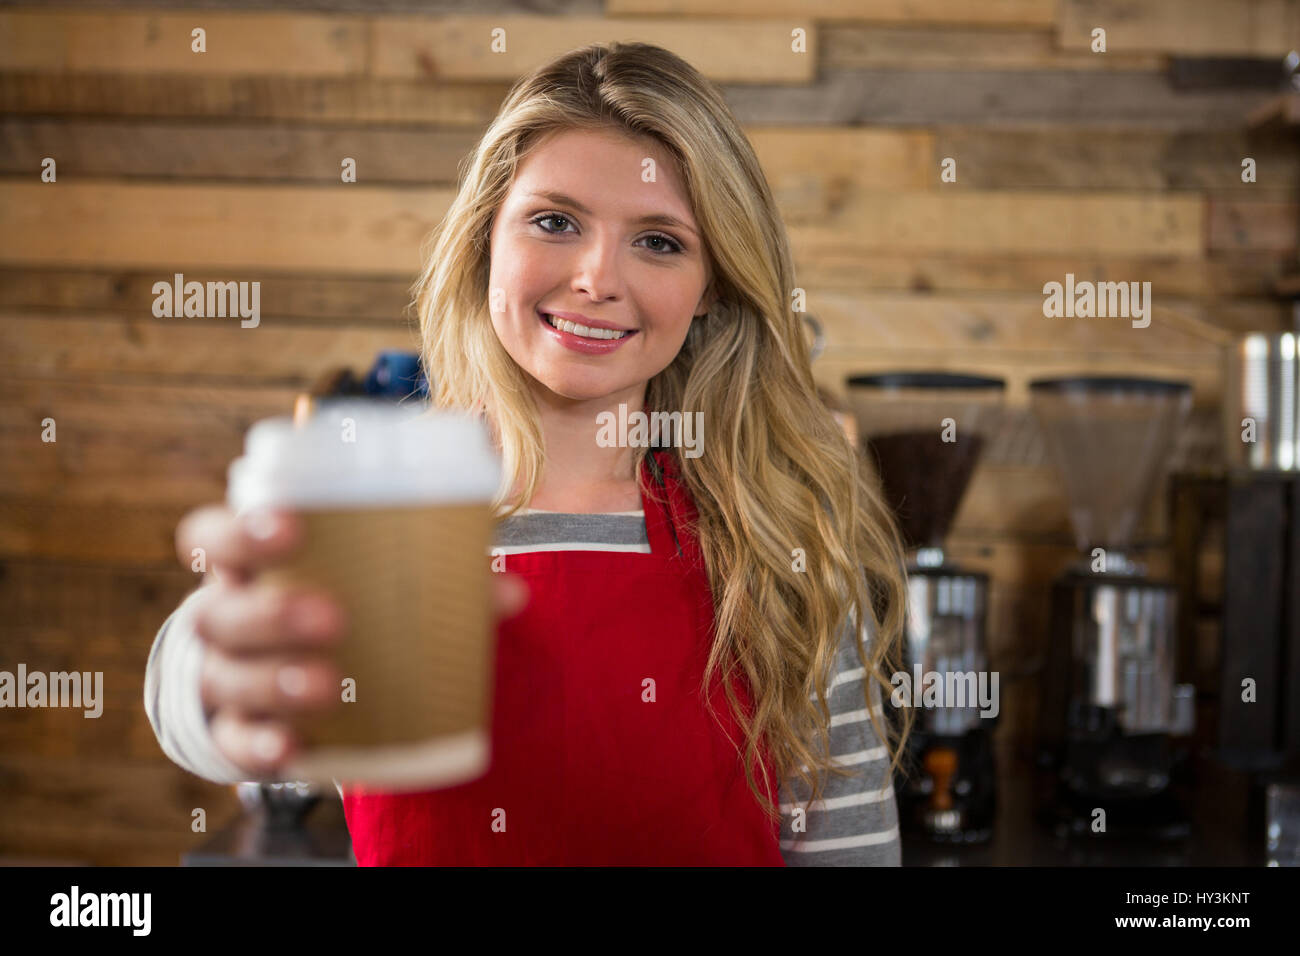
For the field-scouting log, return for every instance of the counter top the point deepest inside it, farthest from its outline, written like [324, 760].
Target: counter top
[1219, 805]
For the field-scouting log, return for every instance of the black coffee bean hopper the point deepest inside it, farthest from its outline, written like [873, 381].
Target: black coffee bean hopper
[923, 432]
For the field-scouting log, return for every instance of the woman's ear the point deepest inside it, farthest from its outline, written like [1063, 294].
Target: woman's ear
[707, 300]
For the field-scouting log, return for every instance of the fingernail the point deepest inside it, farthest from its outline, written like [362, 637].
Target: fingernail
[293, 681]
[261, 525]
[266, 744]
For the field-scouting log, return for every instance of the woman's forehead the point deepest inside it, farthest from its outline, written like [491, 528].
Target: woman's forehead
[590, 164]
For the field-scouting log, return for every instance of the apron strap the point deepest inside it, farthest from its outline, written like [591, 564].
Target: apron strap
[660, 526]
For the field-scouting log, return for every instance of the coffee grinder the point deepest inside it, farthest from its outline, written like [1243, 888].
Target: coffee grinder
[1109, 708]
[924, 432]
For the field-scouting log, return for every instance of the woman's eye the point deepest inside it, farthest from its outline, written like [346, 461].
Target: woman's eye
[676, 246]
[673, 245]
[540, 219]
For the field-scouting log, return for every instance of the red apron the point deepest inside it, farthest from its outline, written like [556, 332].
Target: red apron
[587, 771]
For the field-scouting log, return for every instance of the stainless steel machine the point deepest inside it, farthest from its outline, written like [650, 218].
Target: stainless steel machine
[1110, 710]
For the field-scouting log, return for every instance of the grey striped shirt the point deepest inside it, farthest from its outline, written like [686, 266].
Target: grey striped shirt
[855, 823]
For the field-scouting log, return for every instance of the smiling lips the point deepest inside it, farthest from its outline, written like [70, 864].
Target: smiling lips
[576, 328]
[589, 339]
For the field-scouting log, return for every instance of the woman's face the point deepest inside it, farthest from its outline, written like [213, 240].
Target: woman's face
[572, 237]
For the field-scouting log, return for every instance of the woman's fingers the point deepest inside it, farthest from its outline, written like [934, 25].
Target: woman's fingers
[238, 545]
[267, 617]
[509, 594]
[254, 745]
[282, 687]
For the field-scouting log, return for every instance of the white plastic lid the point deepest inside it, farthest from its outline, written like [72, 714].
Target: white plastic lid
[365, 454]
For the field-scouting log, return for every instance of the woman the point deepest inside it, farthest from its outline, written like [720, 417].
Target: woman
[614, 250]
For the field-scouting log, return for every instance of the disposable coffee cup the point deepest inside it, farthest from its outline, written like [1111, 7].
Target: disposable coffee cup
[397, 507]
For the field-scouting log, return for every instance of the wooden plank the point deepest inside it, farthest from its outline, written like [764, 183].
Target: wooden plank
[444, 7]
[1057, 98]
[377, 230]
[1220, 72]
[51, 603]
[85, 617]
[293, 98]
[1021, 223]
[127, 444]
[810, 166]
[97, 808]
[1008, 324]
[350, 229]
[64, 846]
[71, 840]
[172, 351]
[1240, 225]
[1224, 275]
[303, 296]
[122, 725]
[1241, 27]
[179, 468]
[247, 44]
[725, 50]
[231, 151]
[133, 536]
[1123, 98]
[115, 408]
[791, 156]
[1110, 159]
[451, 48]
[856, 47]
[1025, 13]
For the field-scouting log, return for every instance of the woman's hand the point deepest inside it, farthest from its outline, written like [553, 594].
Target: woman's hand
[269, 649]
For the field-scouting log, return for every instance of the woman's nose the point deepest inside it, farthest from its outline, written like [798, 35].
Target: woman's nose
[595, 269]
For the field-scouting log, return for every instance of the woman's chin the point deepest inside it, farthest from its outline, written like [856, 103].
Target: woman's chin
[581, 390]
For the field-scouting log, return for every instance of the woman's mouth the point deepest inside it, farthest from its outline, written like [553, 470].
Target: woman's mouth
[581, 338]
[574, 328]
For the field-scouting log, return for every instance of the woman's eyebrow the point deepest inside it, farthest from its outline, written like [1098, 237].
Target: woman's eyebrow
[656, 219]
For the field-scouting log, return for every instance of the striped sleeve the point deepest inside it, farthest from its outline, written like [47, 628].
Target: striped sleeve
[855, 823]
[173, 703]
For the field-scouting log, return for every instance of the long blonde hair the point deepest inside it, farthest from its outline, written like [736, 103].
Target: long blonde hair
[778, 473]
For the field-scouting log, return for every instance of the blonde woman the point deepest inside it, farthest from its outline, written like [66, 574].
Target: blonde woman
[694, 677]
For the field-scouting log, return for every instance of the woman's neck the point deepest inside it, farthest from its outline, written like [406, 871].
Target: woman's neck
[580, 475]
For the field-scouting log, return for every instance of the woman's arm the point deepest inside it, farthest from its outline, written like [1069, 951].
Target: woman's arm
[855, 823]
[172, 701]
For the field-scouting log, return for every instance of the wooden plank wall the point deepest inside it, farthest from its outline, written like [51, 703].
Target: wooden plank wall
[225, 166]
